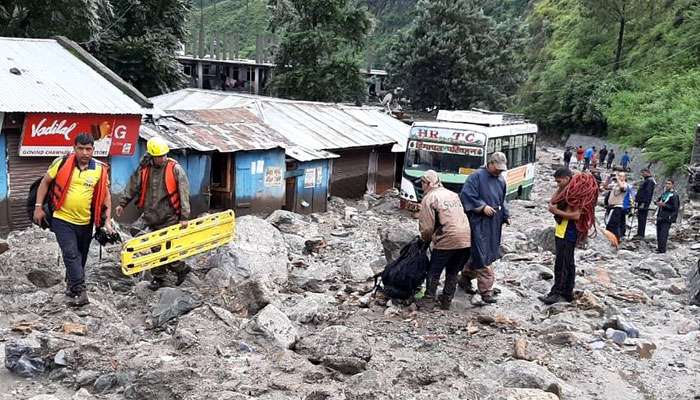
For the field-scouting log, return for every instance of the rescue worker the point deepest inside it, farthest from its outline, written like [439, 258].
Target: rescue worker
[442, 221]
[565, 240]
[667, 214]
[78, 190]
[161, 190]
[602, 155]
[587, 157]
[610, 158]
[643, 199]
[484, 200]
[567, 156]
[579, 156]
[625, 161]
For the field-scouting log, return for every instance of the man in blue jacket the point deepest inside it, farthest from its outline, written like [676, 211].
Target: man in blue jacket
[587, 157]
[645, 194]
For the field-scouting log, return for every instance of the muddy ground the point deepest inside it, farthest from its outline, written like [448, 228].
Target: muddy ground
[286, 312]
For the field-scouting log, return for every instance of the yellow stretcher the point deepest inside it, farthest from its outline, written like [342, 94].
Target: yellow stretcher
[175, 243]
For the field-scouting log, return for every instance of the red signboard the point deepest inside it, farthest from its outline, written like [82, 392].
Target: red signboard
[54, 134]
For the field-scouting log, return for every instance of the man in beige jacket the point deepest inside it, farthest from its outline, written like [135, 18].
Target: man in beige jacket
[442, 220]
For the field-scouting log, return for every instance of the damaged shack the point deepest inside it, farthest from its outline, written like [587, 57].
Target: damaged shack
[370, 144]
[235, 161]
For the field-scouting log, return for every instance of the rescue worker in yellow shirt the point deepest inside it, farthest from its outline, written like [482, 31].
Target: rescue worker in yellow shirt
[161, 190]
[78, 186]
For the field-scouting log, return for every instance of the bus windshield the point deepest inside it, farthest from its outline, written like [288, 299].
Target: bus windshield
[450, 160]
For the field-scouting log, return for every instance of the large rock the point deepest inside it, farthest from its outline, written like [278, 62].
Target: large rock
[357, 271]
[522, 394]
[26, 357]
[337, 347]
[172, 303]
[394, 238]
[543, 238]
[251, 296]
[656, 268]
[293, 223]
[528, 375]
[258, 251]
[313, 272]
[276, 326]
[314, 304]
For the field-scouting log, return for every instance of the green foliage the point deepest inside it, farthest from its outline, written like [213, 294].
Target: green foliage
[454, 56]
[320, 46]
[649, 101]
[140, 41]
[79, 20]
[137, 39]
[235, 23]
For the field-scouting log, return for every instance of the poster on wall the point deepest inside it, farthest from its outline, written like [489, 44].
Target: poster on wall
[309, 178]
[50, 134]
[273, 177]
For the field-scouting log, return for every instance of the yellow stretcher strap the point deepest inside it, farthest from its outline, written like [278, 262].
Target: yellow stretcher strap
[174, 243]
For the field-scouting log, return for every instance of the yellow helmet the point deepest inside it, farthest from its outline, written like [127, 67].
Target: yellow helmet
[157, 147]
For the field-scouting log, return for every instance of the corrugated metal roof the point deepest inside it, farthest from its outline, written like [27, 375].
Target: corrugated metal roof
[51, 79]
[223, 130]
[315, 125]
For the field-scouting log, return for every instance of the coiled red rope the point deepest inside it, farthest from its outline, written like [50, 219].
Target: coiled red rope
[581, 194]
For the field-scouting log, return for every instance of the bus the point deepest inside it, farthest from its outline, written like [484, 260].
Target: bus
[459, 142]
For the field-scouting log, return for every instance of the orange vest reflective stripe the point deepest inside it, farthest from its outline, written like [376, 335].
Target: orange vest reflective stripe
[170, 185]
[61, 183]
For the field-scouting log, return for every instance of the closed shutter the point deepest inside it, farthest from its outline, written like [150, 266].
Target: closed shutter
[23, 172]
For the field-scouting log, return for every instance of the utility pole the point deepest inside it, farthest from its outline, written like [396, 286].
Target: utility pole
[200, 49]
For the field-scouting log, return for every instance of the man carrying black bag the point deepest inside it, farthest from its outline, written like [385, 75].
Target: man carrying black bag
[442, 220]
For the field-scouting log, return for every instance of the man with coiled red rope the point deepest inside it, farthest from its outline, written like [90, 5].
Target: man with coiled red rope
[573, 207]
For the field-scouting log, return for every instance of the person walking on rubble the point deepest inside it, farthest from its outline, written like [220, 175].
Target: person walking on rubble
[668, 205]
[442, 220]
[573, 206]
[161, 190]
[643, 199]
[78, 190]
[616, 218]
[484, 200]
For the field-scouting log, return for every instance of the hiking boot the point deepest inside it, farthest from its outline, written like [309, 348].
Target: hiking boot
[182, 275]
[488, 299]
[444, 302]
[426, 303]
[555, 298]
[78, 299]
[155, 284]
[466, 285]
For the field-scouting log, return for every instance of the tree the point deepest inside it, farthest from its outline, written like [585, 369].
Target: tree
[137, 39]
[320, 47]
[620, 12]
[140, 41]
[454, 56]
[79, 20]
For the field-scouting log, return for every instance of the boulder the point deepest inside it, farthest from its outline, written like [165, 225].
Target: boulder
[356, 271]
[543, 238]
[522, 394]
[618, 337]
[171, 304]
[258, 251]
[337, 347]
[292, 223]
[251, 295]
[655, 267]
[26, 357]
[309, 307]
[394, 238]
[622, 324]
[276, 326]
[312, 272]
[528, 375]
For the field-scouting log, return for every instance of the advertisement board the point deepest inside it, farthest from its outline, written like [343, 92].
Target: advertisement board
[51, 135]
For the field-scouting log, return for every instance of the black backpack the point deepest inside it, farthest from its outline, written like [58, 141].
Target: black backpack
[402, 278]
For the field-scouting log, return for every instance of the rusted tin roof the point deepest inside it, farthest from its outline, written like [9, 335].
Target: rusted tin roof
[224, 130]
[314, 125]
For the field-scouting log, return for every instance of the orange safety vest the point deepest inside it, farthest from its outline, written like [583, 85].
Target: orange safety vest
[170, 185]
[61, 183]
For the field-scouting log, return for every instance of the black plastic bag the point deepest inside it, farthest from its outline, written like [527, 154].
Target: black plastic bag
[24, 360]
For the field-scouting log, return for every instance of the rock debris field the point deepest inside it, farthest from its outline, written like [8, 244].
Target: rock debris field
[286, 312]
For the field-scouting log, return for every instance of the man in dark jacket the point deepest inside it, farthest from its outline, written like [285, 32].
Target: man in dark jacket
[668, 204]
[567, 156]
[603, 154]
[610, 158]
[645, 194]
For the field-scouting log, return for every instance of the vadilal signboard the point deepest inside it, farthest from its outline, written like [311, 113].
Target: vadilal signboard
[51, 135]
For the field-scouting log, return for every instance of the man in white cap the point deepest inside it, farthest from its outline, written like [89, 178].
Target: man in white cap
[484, 200]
